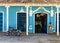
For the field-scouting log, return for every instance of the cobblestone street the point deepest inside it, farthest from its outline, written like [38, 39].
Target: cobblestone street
[33, 38]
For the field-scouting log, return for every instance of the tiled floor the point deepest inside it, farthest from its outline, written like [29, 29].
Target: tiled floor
[32, 38]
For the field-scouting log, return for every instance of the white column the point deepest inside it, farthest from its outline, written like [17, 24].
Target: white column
[27, 20]
[57, 21]
[7, 21]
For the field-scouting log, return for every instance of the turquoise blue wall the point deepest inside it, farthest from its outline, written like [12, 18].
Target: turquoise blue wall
[12, 15]
[32, 18]
[54, 19]
[3, 9]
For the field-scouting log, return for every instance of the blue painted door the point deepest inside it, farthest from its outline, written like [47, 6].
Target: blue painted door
[21, 21]
[1, 22]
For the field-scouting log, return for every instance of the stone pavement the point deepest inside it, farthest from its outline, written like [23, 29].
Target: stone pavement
[32, 38]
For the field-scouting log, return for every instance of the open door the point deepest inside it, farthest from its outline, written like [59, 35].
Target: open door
[40, 23]
[21, 22]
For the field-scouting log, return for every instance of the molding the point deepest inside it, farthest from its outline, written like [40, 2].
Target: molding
[7, 14]
[52, 13]
[46, 10]
[29, 4]
[36, 9]
[16, 19]
[57, 21]
[41, 8]
[31, 11]
[21, 10]
[27, 21]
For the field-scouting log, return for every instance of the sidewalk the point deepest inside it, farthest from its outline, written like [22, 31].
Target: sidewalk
[33, 38]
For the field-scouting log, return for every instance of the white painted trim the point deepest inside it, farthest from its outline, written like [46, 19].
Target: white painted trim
[31, 11]
[46, 10]
[29, 4]
[36, 10]
[27, 20]
[16, 19]
[57, 21]
[7, 21]
[51, 11]
[41, 8]
[21, 10]
[47, 19]
[3, 20]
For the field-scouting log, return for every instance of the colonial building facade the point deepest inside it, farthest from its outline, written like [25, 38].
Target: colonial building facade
[30, 17]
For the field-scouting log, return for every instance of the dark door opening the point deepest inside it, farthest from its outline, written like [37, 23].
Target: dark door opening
[1, 22]
[21, 21]
[40, 23]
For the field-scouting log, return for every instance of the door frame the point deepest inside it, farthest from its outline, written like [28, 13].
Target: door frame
[26, 19]
[47, 20]
[3, 20]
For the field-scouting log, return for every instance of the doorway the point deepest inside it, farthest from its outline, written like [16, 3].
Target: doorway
[40, 23]
[1, 22]
[21, 21]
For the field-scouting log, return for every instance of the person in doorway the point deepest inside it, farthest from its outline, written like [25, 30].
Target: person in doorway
[50, 27]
